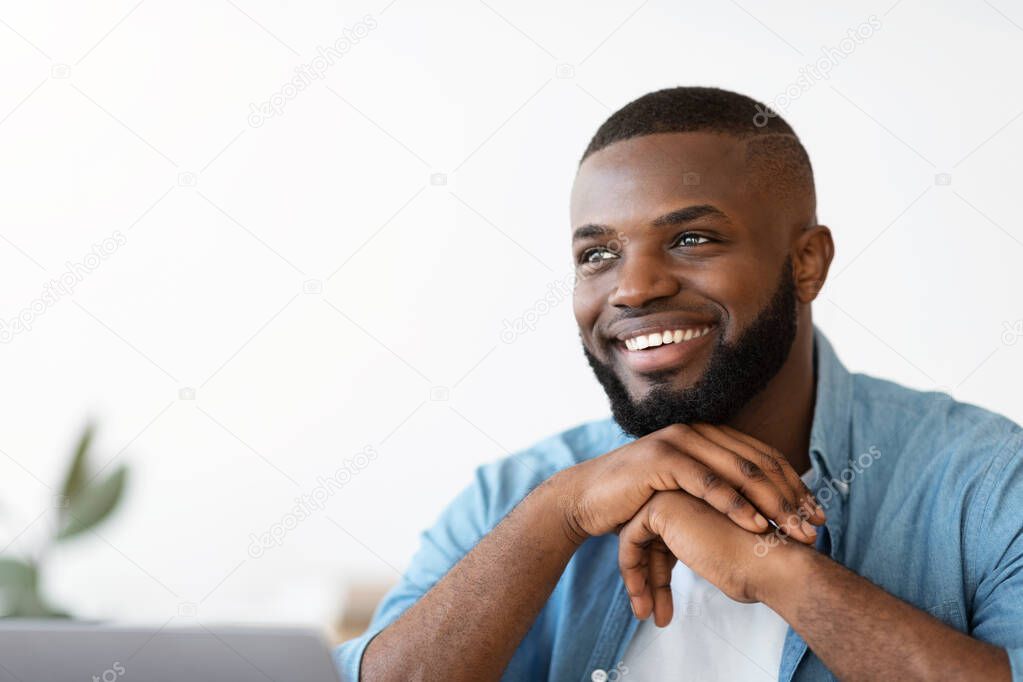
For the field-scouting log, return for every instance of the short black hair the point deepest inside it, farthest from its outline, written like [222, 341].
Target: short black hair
[772, 145]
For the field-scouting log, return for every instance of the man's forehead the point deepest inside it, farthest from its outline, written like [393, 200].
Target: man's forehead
[642, 173]
[668, 150]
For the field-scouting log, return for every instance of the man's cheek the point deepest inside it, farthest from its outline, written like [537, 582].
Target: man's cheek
[582, 309]
[586, 319]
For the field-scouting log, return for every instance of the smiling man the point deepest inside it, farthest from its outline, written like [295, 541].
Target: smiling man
[752, 510]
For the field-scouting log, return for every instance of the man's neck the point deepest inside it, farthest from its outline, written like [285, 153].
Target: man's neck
[782, 414]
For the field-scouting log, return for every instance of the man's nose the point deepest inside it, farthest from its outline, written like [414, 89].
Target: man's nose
[642, 280]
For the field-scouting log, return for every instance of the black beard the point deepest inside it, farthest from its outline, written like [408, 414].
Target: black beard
[735, 373]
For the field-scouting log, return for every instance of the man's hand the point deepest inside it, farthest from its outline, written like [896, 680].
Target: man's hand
[737, 475]
[677, 526]
[838, 613]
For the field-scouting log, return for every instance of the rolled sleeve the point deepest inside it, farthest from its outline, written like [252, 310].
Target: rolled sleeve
[496, 488]
[997, 614]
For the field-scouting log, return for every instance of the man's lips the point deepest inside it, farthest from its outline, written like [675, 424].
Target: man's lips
[654, 348]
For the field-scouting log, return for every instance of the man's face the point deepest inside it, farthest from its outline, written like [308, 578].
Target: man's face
[684, 297]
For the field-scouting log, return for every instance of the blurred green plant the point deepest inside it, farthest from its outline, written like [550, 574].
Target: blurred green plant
[85, 500]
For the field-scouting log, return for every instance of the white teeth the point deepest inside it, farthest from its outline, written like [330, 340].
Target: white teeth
[667, 336]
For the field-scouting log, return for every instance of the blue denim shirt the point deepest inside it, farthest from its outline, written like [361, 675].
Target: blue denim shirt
[924, 497]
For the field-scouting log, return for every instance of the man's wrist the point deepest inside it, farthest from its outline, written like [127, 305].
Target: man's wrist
[785, 574]
[556, 505]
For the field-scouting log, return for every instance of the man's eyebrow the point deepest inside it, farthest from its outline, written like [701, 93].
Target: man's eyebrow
[590, 230]
[676, 217]
[688, 214]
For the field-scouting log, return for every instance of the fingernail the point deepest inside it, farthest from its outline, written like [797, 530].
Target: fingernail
[760, 521]
[808, 529]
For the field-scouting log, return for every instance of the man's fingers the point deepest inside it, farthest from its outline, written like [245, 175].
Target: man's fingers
[808, 502]
[796, 508]
[746, 477]
[772, 468]
[701, 481]
[634, 563]
[662, 561]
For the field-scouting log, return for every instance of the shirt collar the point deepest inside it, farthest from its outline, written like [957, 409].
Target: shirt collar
[832, 413]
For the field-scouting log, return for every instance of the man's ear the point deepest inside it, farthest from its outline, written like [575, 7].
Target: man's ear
[811, 258]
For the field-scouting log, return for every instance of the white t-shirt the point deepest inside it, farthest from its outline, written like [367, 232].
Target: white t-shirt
[710, 637]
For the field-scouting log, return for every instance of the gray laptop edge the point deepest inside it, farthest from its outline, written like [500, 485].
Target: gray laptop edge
[66, 651]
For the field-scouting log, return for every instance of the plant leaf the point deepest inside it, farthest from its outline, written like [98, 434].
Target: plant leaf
[15, 573]
[17, 578]
[19, 592]
[93, 503]
[32, 605]
[76, 475]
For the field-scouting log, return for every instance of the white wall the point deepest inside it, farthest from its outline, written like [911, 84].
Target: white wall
[103, 111]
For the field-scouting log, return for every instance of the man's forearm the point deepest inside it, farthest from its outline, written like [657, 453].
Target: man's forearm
[469, 624]
[861, 632]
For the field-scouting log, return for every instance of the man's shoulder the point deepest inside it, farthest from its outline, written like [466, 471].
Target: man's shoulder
[931, 427]
[505, 481]
[560, 450]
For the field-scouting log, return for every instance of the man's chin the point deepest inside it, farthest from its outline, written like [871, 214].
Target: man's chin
[644, 417]
[640, 384]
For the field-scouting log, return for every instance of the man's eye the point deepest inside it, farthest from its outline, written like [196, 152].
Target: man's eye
[597, 255]
[692, 239]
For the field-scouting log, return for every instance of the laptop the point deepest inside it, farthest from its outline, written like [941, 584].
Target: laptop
[62, 651]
